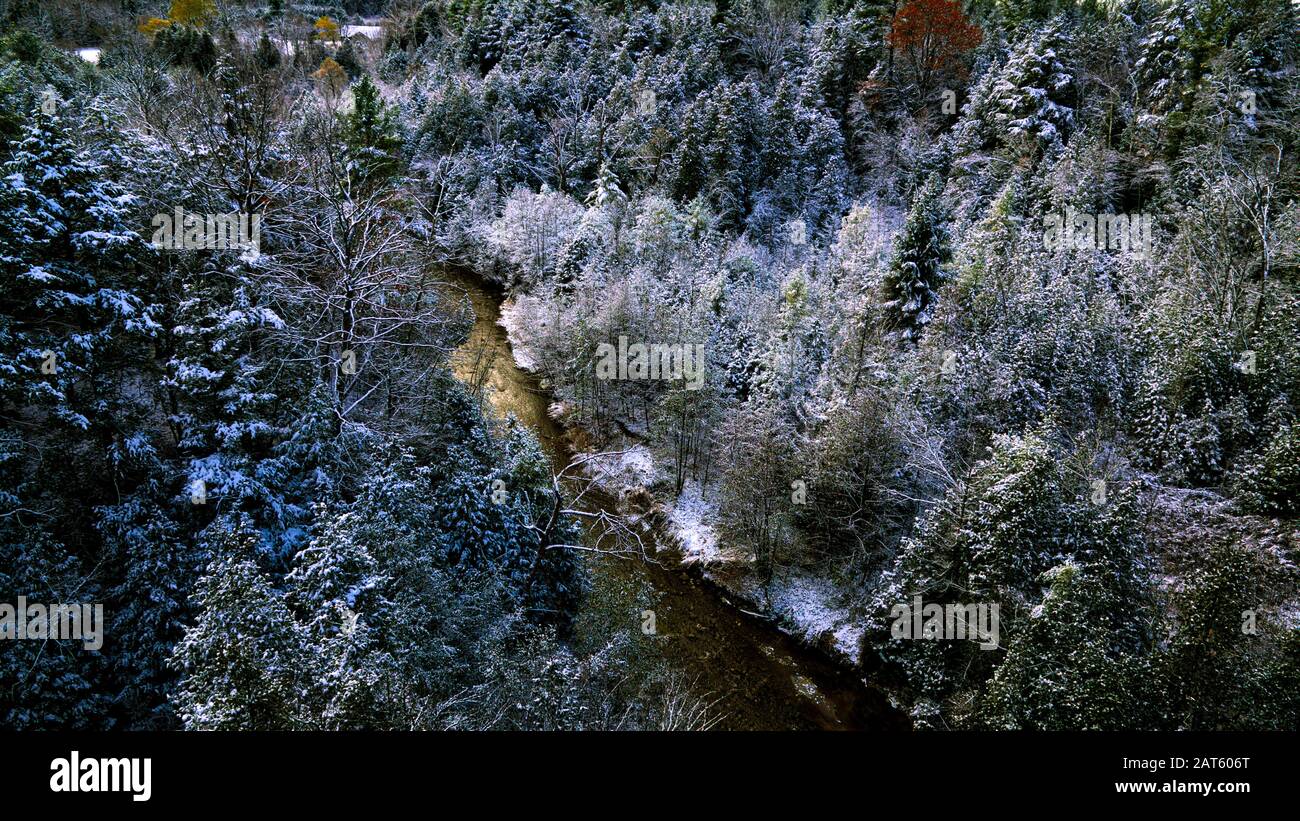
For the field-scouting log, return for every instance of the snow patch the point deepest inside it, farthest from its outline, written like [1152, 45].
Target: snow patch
[1289, 615]
[813, 610]
[693, 522]
[369, 32]
[630, 468]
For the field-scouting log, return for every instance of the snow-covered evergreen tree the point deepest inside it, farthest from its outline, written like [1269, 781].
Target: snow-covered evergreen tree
[245, 663]
[917, 268]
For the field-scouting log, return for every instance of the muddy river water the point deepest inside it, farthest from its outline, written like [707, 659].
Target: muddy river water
[757, 677]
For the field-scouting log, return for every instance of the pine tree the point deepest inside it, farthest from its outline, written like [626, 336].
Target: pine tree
[1083, 659]
[916, 270]
[147, 554]
[732, 152]
[1026, 13]
[1033, 99]
[1067, 672]
[339, 591]
[245, 663]
[71, 277]
[1212, 663]
[371, 135]
[46, 684]
[222, 417]
[346, 57]
[266, 55]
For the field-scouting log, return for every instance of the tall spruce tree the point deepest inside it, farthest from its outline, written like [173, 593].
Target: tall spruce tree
[917, 268]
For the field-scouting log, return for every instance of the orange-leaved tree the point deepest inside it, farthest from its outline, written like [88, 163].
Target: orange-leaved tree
[332, 78]
[932, 35]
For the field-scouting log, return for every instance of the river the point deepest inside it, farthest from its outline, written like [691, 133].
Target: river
[758, 677]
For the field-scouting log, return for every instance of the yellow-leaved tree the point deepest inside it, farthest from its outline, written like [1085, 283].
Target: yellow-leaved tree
[196, 13]
[154, 25]
[326, 29]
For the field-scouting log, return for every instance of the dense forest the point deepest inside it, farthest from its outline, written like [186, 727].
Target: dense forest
[998, 302]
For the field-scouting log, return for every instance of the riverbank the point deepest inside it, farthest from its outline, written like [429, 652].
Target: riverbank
[803, 604]
[765, 675]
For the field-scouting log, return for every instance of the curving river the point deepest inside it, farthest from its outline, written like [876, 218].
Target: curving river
[759, 678]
